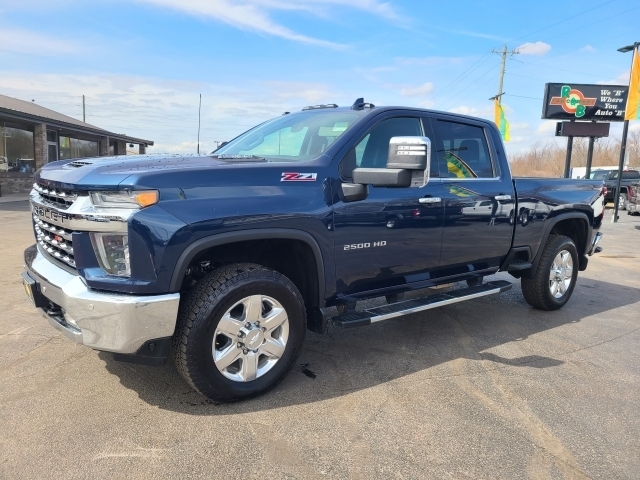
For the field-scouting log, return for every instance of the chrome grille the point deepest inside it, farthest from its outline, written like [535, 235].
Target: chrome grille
[55, 196]
[56, 241]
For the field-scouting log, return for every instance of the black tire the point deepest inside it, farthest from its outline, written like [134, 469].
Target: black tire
[622, 201]
[200, 314]
[475, 281]
[394, 297]
[536, 290]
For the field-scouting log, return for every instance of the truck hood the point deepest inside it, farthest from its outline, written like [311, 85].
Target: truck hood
[139, 170]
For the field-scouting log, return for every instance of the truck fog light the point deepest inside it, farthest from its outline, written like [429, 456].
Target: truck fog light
[112, 251]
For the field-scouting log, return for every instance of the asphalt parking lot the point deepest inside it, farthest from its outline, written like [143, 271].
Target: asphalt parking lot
[489, 388]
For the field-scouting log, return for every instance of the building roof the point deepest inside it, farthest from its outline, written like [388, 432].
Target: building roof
[37, 114]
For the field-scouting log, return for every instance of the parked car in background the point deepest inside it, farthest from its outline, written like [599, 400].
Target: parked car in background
[629, 177]
[579, 173]
[602, 173]
[4, 164]
[633, 203]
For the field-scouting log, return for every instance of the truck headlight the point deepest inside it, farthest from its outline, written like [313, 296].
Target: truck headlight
[112, 250]
[125, 199]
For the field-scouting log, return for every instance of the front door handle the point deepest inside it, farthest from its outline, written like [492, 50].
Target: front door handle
[502, 197]
[429, 200]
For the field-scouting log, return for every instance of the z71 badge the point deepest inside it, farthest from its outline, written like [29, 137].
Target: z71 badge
[298, 177]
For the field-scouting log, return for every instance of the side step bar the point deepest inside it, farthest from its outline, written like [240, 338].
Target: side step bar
[379, 314]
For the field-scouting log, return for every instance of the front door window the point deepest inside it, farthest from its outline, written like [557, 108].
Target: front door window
[389, 239]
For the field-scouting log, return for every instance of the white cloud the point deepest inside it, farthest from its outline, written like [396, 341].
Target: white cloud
[546, 128]
[181, 147]
[537, 48]
[254, 15]
[245, 16]
[426, 104]
[587, 48]
[312, 93]
[474, 112]
[519, 126]
[622, 79]
[25, 41]
[481, 35]
[418, 91]
[166, 110]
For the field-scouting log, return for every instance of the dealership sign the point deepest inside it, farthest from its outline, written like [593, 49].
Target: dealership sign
[603, 103]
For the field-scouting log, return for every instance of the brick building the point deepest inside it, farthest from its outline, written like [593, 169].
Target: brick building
[31, 135]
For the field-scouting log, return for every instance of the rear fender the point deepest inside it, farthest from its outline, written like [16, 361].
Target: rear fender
[547, 231]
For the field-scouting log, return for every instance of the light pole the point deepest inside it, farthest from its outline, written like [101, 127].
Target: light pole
[623, 145]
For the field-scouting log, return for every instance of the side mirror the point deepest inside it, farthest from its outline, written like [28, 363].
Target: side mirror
[408, 163]
[354, 192]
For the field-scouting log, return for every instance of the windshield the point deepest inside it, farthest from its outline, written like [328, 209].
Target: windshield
[599, 174]
[294, 137]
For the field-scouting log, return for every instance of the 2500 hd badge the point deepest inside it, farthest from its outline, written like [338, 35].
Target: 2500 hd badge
[356, 246]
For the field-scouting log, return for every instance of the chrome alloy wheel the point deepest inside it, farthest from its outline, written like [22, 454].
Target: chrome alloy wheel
[622, 199]
[250, 338]
[561, 274]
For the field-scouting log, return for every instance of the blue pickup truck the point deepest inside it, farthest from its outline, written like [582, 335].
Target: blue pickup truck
[223, 261]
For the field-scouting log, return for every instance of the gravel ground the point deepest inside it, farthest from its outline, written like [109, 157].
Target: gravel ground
[489, 388]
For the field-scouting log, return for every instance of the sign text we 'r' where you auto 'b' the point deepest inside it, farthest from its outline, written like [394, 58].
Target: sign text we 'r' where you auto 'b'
[602, 103]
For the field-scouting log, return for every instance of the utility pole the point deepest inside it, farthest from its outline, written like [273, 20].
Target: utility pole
[199, 109]
[503, 53]
[84, 118]
[625, 130]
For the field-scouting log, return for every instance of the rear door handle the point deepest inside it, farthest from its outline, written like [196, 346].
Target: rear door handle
[429, 200]
[502, 197]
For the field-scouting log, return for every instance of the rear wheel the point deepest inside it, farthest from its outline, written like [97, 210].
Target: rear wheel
[474, 282]
[622, 201]
[239, 332]
[555, 277]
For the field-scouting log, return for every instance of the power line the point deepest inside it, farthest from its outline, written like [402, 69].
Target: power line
[588, 25]
[469, 85]
[559, 69]
[460, 77]
[474, 91]
[565, 19]
[521, 96]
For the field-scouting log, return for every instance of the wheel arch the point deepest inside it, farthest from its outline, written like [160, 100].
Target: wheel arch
[316, 293]
[575, 225]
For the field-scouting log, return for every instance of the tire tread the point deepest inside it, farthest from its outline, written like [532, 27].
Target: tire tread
[534, 289]
[194, 312]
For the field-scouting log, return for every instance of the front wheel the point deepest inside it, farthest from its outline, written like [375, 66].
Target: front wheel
[555, 277]
[239, 332]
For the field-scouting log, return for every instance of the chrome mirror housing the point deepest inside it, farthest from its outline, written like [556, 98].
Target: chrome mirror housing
[408, 164]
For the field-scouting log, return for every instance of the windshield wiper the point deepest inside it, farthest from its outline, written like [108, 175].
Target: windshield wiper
[232, 157]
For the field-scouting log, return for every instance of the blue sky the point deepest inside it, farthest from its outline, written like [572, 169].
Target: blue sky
[142, 64]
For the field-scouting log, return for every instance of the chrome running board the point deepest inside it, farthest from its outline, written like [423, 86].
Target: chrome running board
[386, 312]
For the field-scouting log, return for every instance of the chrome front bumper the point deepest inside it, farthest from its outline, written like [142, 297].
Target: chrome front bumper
[111, 322]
